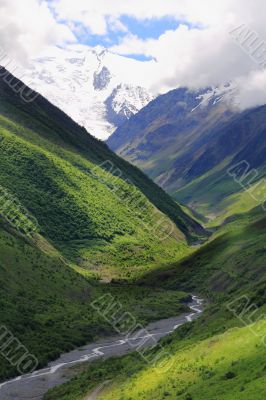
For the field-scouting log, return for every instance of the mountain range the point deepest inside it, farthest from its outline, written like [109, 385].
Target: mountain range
[93, 86]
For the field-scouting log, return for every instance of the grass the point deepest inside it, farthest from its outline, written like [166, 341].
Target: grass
[223, 366]
[78, 211]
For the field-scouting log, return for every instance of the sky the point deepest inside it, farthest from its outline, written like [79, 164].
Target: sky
[192, 43]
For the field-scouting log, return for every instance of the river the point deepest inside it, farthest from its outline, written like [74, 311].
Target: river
[33, 386]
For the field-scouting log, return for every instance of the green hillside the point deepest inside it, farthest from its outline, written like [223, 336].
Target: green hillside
[218, 196]
[228, 366]
[95, 218]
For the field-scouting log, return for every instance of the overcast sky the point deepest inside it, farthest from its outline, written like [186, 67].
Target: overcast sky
[186, 42]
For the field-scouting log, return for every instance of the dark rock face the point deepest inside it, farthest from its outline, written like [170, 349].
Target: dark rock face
[101, 79]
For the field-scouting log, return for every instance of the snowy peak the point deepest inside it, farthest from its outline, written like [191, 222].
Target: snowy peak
[130, 97]
[125, 101]
[93, 86]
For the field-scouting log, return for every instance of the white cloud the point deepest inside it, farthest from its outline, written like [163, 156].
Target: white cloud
[252, 89]
[191, 57]
[204, 11]
[203, 55]
[28, 26]
[207, 55]
[116, 25]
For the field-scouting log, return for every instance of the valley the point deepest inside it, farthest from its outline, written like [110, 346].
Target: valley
[90, 227]
[220, 355]
[131, 269]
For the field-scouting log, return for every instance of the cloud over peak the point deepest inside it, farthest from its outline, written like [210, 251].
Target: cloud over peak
[199, 51]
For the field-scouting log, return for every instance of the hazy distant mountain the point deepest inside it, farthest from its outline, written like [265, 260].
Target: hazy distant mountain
[186, 141]
[167, 136]
[92, 86]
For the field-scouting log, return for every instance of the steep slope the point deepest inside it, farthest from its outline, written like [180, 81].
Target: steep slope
[167, 136]
[94, 216]
[94, 87]
[46, 303]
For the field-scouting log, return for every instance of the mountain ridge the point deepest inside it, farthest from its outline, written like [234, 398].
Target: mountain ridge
[179, 115]
[187, 148]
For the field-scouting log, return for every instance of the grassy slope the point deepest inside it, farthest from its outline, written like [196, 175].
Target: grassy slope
[58, 132]
[78, 212]
[234, 259]
[101, 221]
[211, 360]
[228, 366]
[216, 194]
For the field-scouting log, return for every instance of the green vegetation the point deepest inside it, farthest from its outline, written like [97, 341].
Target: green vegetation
[77, 209]
[107, 223]
[217, 196]
[46, 303]
[91, 224]
[99, 231]
[215, 357]
[233, 259]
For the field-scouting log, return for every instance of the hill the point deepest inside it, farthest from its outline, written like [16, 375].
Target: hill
[166, 136]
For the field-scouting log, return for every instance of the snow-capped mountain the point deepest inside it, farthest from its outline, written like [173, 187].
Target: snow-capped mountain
[95, 87]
